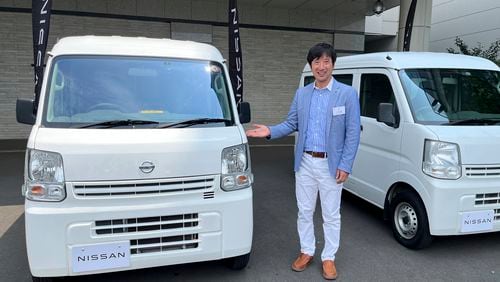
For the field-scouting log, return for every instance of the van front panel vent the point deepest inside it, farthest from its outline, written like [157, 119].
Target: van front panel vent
[492, 171]
[164, 244]
[209, 195]
[144, 187]
[497, 215]
[487, 199]
[145, 224]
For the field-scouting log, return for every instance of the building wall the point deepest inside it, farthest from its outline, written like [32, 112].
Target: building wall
[473, 22]
[383, 24]
[381, 44]
[273, 57]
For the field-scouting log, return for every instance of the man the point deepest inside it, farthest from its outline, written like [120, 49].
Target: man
[326, 115]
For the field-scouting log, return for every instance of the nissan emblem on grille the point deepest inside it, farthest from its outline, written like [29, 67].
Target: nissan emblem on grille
[147, 167]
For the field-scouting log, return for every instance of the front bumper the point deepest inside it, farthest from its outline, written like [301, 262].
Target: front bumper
[223, 229]
[450, 200]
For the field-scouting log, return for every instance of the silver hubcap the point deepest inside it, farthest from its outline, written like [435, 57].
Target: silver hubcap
[406, 221]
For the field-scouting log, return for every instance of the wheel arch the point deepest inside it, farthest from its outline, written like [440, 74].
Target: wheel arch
[404, 192]
[399, 187]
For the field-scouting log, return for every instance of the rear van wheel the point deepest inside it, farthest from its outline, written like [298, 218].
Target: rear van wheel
[410, 225]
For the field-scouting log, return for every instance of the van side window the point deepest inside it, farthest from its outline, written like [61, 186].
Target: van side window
[308, 80]
[344, 78]
[375, 89]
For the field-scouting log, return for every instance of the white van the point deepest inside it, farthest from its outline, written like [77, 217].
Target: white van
[430, 142]
[137, 158]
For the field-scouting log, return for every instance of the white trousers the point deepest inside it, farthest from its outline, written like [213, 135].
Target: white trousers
[313, 177]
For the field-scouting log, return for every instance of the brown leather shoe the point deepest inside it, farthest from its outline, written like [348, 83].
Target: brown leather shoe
[329, 270]
[301, 263]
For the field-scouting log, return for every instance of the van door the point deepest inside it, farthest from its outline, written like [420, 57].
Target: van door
[378, 155]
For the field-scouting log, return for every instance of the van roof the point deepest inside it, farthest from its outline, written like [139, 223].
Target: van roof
[411, 60]
[135, 46]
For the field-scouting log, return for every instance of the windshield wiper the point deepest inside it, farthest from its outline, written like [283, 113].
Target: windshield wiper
[488, 121]
[189, 122]
[119, 122]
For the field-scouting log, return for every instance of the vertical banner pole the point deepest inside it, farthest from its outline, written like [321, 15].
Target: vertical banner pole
[409, 26]
[41, 10]
[235, 56]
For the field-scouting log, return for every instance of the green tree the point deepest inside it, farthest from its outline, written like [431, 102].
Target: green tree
[490, 53]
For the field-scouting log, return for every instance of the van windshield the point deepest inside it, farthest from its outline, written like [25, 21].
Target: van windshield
[453, 96]
[86, 90]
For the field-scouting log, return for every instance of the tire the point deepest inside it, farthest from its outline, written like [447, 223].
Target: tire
[239, 262]
[42, 279]
[410, 225]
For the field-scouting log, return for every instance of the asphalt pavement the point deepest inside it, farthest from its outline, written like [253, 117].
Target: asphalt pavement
[367, 251]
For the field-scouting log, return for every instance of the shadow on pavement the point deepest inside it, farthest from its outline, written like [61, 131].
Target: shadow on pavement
[13, 259]
[11, 178]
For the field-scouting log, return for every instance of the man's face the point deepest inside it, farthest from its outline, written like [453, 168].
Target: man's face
[322, 69]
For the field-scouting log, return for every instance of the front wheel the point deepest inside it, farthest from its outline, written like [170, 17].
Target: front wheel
[239, 262]
[410, 225]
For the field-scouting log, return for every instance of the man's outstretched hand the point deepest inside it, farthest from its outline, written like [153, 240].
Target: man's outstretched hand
[259, 130]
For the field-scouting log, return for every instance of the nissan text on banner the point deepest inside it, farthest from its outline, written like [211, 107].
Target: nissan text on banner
[41, 23]
[235, 58]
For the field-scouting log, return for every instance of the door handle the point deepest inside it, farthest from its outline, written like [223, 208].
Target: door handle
[361, 127]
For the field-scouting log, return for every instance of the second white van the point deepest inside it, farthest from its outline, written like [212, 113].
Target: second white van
[429, 153]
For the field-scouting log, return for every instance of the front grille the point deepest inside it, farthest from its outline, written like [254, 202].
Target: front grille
[144, 187]
[144, 224]
[497, 214]
[492, 171]
[209, 195]
[164, 244]
[487, 199]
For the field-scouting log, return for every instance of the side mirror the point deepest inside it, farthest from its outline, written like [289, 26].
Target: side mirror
[24, 111]
[244, 112]
[386, 114]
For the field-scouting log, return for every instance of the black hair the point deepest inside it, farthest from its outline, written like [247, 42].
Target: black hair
[319, 50]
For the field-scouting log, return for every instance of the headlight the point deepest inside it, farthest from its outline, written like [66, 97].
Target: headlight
[44, 179]
[441, 160]
[235, 171]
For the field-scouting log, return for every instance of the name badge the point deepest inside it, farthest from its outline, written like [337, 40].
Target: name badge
[338, 110]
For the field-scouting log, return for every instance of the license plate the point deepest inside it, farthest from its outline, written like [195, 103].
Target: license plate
[100, 256]
[477, 221]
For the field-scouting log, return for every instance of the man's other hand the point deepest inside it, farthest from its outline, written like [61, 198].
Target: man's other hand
[341, 176]
[259, 130]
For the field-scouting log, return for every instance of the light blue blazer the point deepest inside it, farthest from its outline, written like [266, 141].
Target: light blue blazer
[343, 125]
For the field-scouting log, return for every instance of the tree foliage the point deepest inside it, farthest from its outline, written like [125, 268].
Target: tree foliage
[490, 53]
